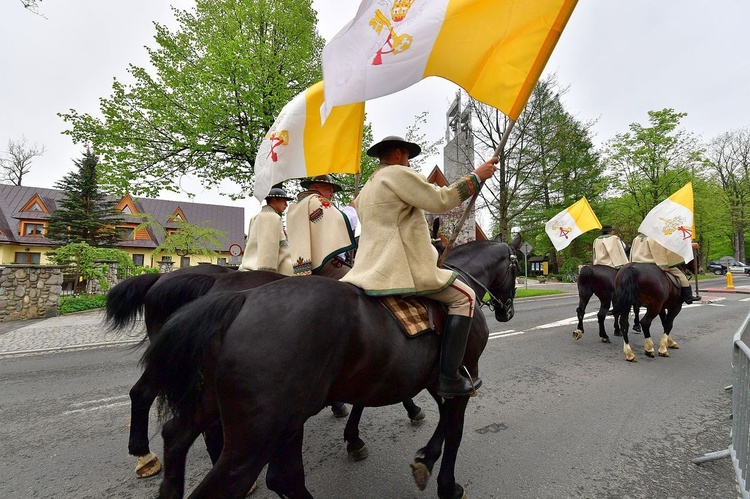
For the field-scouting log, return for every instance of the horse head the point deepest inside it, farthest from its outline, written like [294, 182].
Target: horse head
[490, 267]
[503, 288]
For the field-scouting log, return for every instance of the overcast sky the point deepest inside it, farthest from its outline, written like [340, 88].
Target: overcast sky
[620, 58]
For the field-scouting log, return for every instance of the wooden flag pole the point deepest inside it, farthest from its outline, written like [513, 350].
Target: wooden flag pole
[462, 220]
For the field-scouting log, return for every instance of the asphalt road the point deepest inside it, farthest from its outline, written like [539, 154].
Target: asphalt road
[555, 418]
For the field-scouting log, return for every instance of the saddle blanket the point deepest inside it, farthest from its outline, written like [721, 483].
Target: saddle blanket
[411, 314]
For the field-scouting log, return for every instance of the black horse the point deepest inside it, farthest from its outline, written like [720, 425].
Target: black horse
[599, 280]
[647, 285]
[267, 359]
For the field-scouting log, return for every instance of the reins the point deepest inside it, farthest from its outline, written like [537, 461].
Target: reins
[493, 301]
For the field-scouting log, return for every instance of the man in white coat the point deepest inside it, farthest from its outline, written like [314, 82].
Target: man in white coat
[396, 255]
[267, 247]
[609, 249]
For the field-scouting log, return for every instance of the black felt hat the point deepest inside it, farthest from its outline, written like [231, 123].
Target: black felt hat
[375, 149]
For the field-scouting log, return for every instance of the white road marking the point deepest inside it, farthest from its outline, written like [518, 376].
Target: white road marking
[99, 401]
[745, 299]
[503, 334]
[96, 408]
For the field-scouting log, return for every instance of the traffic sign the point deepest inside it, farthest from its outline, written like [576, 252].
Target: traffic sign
[525, 248]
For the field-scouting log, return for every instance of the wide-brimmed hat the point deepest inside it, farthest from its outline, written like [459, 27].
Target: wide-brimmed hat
[607, 229]
[278, 192]
[321, 179]
[375, 149]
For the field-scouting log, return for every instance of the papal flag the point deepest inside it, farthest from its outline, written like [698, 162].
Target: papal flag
[571, 223]
[494, 49]
[670, 223]
[298, 145]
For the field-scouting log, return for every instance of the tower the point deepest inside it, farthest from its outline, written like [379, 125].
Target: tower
[458, 160]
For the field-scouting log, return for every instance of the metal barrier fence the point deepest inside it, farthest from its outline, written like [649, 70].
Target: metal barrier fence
[739, 448]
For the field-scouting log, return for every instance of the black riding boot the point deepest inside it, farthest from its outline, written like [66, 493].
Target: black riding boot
[687, 295]
[452, 349]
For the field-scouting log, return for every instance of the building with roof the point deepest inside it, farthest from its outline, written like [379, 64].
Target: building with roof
[25, 213]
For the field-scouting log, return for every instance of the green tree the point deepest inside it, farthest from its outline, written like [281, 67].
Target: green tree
[650, 163]
[727, 160]
[84, 214]
[548, 163]
[219, 81]
[187, 239]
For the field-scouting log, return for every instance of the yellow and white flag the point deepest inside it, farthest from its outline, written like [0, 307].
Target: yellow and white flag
[298, 145]
[494, 49]
[571, 223]
[670, 223]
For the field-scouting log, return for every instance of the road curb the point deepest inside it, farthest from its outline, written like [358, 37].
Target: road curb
[70, 347]
[740, 291]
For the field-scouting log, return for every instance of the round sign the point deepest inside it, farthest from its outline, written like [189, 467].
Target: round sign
[235, 250]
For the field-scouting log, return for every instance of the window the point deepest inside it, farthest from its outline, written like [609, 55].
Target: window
[184, 262]
[126, 210]
[221, 261]
[30, 229]
[166, 258]
[126, 233]
[138, 260]
[27, 257]
[35, 207]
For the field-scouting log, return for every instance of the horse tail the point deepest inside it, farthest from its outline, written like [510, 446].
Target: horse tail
[176, 356]
[163, 300]
[125, 301]
[626, 291]
[585, 274]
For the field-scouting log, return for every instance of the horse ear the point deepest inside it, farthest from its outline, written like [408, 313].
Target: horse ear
[516, 242]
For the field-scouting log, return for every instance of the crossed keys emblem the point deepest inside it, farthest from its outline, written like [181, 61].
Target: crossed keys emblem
[394, 44]
[672, 225]
[277, 140]
[564, 231]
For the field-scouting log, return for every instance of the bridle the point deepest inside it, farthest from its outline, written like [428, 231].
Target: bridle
[493, 302]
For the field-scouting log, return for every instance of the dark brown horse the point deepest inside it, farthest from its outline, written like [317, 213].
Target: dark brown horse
[267, 359]
[646, 285]
[598, 280]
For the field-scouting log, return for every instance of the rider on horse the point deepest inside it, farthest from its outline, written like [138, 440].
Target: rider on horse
[646, 250]
[396, 256]
[267, 247]
[318, 231]
[609, 250]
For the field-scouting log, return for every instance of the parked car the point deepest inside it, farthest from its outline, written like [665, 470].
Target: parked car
[717, 267]
[736, 267]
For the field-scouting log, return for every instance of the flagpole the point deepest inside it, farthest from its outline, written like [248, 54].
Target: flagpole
[696, 266]
[462, 220]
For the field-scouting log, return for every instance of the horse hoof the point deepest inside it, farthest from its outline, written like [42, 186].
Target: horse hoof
[663, 354]
[631, 359]
[359, 454]
[618, 333]
[577, 334]
[637, 329]
[650, 354]
[421, 474]
[605, 339]
[148, 466]
[418, 417]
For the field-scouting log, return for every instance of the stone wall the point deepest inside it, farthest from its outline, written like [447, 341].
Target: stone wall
[29, 291]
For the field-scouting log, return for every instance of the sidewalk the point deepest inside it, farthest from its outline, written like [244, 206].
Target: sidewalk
[65, 332]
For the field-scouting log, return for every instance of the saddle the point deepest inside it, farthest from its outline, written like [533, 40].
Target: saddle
[415, 315]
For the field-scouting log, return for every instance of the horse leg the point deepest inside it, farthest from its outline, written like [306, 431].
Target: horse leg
[648, 342]
[583, 299]
[623, 322]
[428, 455]
[600, 317]
[637, 320]
[142, 396]
[666, 339]
[286, 473]
[355, 447]
[178, 435]
[415, 413]
[455, 410]
[213, 436]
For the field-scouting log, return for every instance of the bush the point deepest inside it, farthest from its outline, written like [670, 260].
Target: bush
[78, 303]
